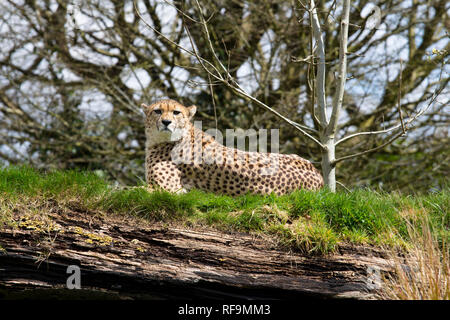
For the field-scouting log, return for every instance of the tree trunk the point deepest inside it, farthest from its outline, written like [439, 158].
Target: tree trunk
[328, 167]
[127, 257]
[330, 127]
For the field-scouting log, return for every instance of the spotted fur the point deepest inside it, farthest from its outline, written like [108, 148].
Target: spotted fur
[180, 157]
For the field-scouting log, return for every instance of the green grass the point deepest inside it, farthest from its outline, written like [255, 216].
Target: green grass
[313, 222]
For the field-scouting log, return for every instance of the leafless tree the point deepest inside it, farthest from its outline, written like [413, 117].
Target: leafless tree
[73, 73]
[327, 126]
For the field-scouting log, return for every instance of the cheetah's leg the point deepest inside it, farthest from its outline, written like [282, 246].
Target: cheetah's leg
[166, 176]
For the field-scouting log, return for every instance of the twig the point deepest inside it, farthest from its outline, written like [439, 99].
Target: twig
[367, 151]
[400, 96]
[309, 59]
[402, 124]
[343, 186]
[217, 76]
[394, 137]
[167, 39]
[213, 101]
[208, 38]
[366, 133]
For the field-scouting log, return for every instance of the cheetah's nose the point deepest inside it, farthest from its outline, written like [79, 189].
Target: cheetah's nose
[166, 122]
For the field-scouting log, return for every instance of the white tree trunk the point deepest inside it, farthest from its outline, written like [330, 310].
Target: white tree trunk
[328, 167]
[329, 127]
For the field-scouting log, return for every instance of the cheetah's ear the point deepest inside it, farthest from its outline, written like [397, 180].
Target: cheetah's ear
[145, 108]
[192, 110]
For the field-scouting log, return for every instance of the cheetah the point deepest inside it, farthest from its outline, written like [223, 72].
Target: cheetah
[180, 157]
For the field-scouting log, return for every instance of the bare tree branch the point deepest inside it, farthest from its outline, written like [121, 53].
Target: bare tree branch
[397, 135]
[320, 81]
[342, 73]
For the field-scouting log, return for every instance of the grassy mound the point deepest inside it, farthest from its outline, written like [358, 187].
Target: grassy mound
[313, 222]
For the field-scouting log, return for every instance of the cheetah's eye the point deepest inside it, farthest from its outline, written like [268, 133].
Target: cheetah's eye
[176, 112]
[157, 111]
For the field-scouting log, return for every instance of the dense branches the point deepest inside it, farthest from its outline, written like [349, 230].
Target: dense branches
[73, 73]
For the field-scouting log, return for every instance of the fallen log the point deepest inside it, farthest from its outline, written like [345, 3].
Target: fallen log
[122, 257]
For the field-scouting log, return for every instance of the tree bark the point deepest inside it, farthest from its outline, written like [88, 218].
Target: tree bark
[329, 127]
[122, 257]
[328, 167]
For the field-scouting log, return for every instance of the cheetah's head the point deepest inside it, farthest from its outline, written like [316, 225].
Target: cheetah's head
[167, 121]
